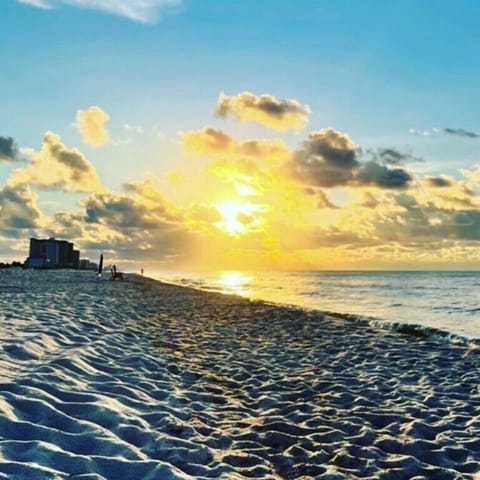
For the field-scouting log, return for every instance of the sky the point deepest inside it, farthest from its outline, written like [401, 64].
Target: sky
[198, 135]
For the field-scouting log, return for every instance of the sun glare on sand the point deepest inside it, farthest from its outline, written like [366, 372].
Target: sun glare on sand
[237, 217]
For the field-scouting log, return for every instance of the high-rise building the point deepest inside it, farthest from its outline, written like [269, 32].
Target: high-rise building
[52, 253]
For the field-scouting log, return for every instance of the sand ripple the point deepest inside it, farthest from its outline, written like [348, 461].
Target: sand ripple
[139, 380]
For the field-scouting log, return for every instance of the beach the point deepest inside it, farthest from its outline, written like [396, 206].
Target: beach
[140, 379]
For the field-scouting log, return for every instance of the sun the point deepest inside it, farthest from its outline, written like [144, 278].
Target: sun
[237, 217]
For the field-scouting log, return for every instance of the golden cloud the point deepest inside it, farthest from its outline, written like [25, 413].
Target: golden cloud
[210, 141]
[278, 114]
[56, 167]
[207, 141]
[91, 125]
[446, 193]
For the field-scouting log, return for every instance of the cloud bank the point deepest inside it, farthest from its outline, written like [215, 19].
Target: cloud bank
[249, 203]
[281, 115]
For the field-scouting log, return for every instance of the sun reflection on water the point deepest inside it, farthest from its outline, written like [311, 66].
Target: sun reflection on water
[238, 283]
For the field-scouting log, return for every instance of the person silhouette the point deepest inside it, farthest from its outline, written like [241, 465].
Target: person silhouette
[116, 274]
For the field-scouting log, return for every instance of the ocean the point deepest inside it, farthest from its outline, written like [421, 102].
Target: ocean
[445, 301]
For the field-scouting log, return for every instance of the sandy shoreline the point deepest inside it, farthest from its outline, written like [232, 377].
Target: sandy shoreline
[143, 380]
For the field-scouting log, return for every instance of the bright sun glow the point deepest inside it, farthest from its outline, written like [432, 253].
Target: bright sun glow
[235, 282]
[244, 189]
[237, 217]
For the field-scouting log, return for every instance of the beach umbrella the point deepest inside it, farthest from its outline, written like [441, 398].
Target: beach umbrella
[100, 264]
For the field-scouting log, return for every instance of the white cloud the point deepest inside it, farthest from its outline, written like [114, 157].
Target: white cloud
[143, 11]
[433, 132]
[138, 129]
[35, 3]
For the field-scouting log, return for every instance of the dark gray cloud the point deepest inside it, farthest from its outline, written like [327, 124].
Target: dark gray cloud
[381, 176]
[435, 132]
[332, 148]
[467, 225]
[116, 211]
[77, 164]
[392, 156]
[17, 209]
[8, 148]
[420, 226]
[172, 241]
[461, 132]
[439, 182]
[317, 172]
[329, 159]
[121, 211]
[274, 107]
[426, 223]
[136, 227]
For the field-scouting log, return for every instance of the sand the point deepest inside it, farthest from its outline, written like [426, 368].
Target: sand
[143, 380]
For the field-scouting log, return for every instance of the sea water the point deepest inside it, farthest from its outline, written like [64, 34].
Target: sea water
[447, 301]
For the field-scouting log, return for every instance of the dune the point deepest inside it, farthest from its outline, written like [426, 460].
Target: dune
[146, 380]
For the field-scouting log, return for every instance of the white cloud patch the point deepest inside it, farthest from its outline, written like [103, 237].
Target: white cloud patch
[138, 129]
[35, 3]
[424, 133]
[142, 11]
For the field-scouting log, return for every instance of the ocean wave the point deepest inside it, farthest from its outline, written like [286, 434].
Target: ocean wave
[448, 301]
[427, 333]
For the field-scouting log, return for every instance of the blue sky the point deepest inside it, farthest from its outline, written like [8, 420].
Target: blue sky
[389, 75]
